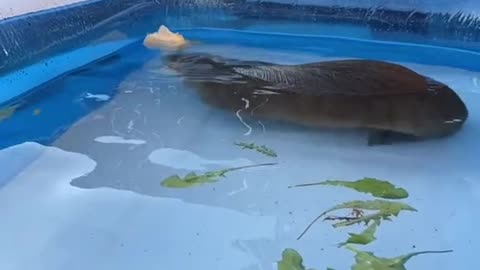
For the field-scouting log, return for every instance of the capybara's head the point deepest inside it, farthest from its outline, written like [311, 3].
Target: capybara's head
[446, 111]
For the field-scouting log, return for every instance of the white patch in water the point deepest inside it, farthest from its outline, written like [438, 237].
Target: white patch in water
[453, 121]
[97, 97]
[247, 103]
[186, 160]
[118, 140]
[5, 51]
[228, 78]
[130, 125]
[265, 92]
[244, 187]
[249, 128]
[262, 125]
[98, 117]
[179, 121]
[476, 84]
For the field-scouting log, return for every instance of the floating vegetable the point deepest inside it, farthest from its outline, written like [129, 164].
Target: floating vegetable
[192, 179]
[385, 210]
[377, 188]
[261, 149]
[291, 260]
[368, 261]
[364, 238]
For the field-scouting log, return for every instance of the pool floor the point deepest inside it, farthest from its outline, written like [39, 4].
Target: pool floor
[82, 179]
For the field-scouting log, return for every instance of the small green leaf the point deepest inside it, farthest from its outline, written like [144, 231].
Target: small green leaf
[364, 238]
[189, 180]
[261, 149]
[368, 261]
[192, 179]
[291, 260]
[385, 211]
[377, 188]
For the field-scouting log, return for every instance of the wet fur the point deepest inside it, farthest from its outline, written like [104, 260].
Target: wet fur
[393, 102]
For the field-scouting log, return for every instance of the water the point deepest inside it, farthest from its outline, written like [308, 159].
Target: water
[81, 184]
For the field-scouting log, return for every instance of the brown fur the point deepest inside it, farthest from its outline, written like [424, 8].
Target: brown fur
[340, 94]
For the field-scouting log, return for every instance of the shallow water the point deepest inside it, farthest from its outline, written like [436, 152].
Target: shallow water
[87, 194]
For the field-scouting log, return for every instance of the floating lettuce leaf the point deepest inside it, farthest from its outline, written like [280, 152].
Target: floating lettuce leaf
[385, 211]
[364, 238]
[368, 261]
[192, 179]
[375, 187]
[291, 260]
[261, 149]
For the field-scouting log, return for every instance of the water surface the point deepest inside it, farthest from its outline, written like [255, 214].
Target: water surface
[82, 180]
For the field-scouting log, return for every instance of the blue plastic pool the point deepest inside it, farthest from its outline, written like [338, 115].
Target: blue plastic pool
[84, 155]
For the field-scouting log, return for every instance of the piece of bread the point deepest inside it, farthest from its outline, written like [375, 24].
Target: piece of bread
[164, 38]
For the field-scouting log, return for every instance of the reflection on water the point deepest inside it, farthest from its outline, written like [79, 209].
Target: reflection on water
[185, 160]
[153, 126]
[78, 229]
[117, 139]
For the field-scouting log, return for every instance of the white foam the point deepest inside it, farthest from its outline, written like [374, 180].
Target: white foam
[98, 97]
[118, 140]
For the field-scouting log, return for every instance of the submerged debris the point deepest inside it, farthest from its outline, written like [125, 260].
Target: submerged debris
[375, 187]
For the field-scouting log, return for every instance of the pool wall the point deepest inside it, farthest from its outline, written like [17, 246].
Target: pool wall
[28, 40]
